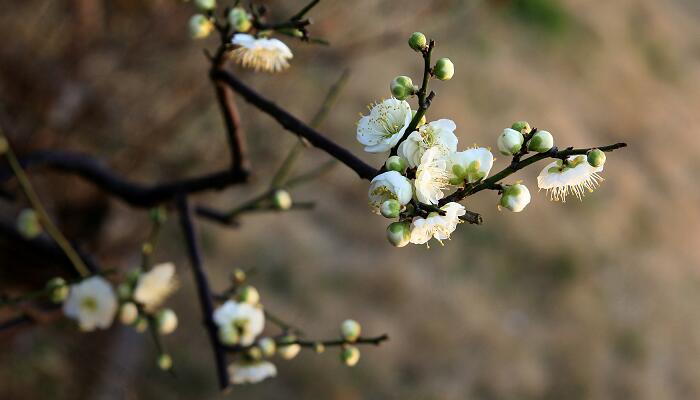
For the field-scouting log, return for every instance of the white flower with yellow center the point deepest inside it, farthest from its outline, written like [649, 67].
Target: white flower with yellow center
[432, 176]
[154, 286]
[576, 176]
[251, 371]
[435, 133]
[437, 226]
[470, 165]
[92, 303]
[384, 126]
[245, 319]
[260, 54]
[390, 185]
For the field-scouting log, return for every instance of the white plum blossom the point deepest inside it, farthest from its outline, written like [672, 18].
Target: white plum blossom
[435, 225]
[432, 176]
[510, 141]
[154, 286]
[573, 177]
[471, 165]
[247, 320]
[260, 54]
[436, 133]
[251, 371]
[384, 126]
[92, 303]
[389, 185]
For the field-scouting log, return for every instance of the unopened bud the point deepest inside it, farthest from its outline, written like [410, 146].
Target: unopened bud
[350, 356]
[249, 294]
[28, 224]
[541, 142]
[58, 289]
[402, 87]
[205, 4]
[165, 362]
[390, 208]
[239, 19]
[444, 69]
[254, 353]
[200, 26]
[238, 276]
[510, 142]
[596, 158]
[521, 126]
[399, 233]
[141, 325]
[167, 321]
[281, 199]
[287, 349]
[267, 346]
[319, 347]
[418, 41]
[350, 330]
[515, 197]
[124, 291]
[128, 313]
[396, 163]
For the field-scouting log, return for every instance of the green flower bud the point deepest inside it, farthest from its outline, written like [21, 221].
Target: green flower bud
[521, 126]
[288, 351]
[238, 276]
[58, 289]
[319, 347]
[124, 291]
[167, 321]
[418, 41]
[510, 142]
[128, 313]
[267, 346]
[254, 353]
[444, 69]
[141, 325]
[350, 330]
[239, 19]
[165, 362]
[205, 4]
[281, 199]
[515, 197]
[541, 142]
[422, 121]
[390, 208]
[402, 87]
[596, 157]
[228, 336]
[28, 224]
[200, 26]
[249, 294]
[399, 233]
[350, 356]
[396, 163]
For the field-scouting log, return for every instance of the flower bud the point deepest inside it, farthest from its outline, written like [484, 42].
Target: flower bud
[58, 289]
[596, 158]
[267, 346]
[255, 353]
[521, 126]
[418, 41]
[319, 347]
[515, 197]
[399, 233]
[288, 351]
[402, 87]
[167, 321]
[541, 142]
[444, 69]
[239, 19]
[205, 4]
[281, 199]
[238, 276]
[390, 208]
[249, 294]
[422, 121]
[350, 356]
[165, 362]
[128, 313]
[395, 163]
[200, 26]
[141, 325]
[28, 224]
[228, 336]
[350, 330]
[124, 291]
[510, 142]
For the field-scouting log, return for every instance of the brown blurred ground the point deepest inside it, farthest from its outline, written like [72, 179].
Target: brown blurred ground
[592, 300]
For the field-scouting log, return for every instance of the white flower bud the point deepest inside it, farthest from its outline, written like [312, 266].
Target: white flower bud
[390, 208]
[200, 26]
[205, 4]
[58, 289]
[402, 87]
[515, 197]
[267, 346]
[399, 233]
[350, 356]
[165, 362]
[228, 336]
[281, 199]
[541, 142]
[418, 41]
[255, 353]
[521, 126]
[319, 347]
[239, 19]
[250, 295]
[596, 158]
[510, 142]
[396, 163]
[28, 224]
[167, 321]
[128, 313]
[288, 351]
[444, 69]
[350, 330]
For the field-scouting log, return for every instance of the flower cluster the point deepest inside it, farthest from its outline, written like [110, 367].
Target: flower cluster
[424, 163]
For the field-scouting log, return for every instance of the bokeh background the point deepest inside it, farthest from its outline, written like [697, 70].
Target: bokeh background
[590, 300]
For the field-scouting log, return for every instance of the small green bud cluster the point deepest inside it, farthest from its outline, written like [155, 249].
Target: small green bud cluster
[57, 289]
[541, 142]
[402, 87]
[444, 69]
[596, 158]
[239, 19]
[28, 224]
[418, 41]
[282, 200]
[200, 26]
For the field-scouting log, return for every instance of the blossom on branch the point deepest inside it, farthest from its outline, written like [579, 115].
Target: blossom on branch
[242, 372]
[154, 286]
[390, 185]
[92, 303]
[260, 54]
[384, 126]
[240, 321]
[435, 225]
[432, 177]
[435, 133]
[575, 176]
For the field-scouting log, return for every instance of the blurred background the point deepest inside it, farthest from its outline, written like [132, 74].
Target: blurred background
[590, 300]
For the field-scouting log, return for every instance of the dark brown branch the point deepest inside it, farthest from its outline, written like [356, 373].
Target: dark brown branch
[236, 139]
[203, 290]
[294, 125]
[136, 194]
[341, 342]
